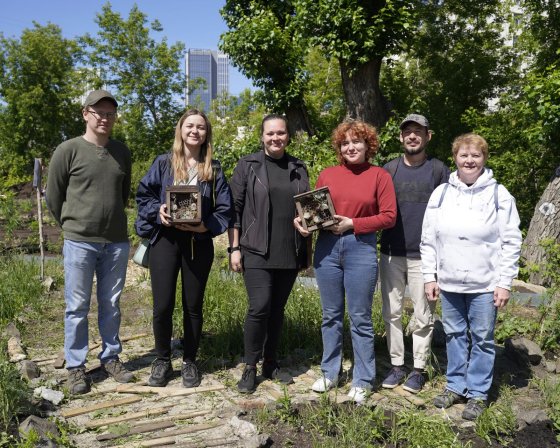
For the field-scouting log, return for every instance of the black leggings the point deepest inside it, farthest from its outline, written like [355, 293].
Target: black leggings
[177, 250]
[268, 291]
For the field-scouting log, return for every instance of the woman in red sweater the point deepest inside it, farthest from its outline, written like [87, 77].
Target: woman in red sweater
[345, 259]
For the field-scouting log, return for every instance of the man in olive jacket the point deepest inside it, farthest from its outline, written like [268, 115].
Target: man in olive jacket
[87, 190]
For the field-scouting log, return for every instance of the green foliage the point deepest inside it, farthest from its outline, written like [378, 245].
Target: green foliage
[498, 421]
[20, 287]
[9, 215]
[456, 61]
[355, 31]
[39, 87]
[416, 429]
[509, 323]
[13, 390]
[324, 96]
[146, 74]
[261, 42]
[523, 137]
[550, 393]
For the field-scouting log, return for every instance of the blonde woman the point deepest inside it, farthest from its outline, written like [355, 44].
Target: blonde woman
[182, 248]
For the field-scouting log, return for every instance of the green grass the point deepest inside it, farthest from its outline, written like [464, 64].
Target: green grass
[14, 393]
[20, 287]
[498, 421]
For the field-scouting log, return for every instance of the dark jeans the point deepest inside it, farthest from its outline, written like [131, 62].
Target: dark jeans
[268, 291]
[178, 251]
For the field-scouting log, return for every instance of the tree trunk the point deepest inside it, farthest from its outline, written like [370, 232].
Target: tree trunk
[298, 121]
[545, 224]
[364, 100]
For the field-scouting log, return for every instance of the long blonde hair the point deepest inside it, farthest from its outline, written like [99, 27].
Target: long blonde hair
[204, 161]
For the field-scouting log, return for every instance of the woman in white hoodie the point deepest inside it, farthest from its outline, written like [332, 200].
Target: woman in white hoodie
[470, 248]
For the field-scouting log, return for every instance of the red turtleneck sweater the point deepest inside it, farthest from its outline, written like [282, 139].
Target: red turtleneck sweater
[362, 192]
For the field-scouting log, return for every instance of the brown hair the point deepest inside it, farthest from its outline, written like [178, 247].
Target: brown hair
[470, 139]
[205, 157]
[361, 130]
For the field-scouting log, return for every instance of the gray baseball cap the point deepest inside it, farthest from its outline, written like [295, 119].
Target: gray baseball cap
[415, 118]
[97, 95]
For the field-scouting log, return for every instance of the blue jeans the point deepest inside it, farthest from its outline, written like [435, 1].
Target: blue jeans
[470, 366]
[81, 260]
[346, 265]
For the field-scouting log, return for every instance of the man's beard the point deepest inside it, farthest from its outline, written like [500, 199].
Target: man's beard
[414, 151]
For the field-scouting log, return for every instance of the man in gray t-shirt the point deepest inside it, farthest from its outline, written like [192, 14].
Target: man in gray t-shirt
[415, 176]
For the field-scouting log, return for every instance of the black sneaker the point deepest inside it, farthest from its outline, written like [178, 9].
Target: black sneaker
[118, 371]
[448, 399]
[248, 382]
[162, 371]
[271, 370]
[189, 372]
[473, 409]
[77, 382]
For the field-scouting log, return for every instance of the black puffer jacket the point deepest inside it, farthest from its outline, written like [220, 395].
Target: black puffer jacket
[249, 187]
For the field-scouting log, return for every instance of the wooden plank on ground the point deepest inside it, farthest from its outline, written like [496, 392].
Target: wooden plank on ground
[409, 397]
[59, 361]
[103, 405]
[208, 443]
[168, 437]
[180, 416]
[97, 423]
[167, 391]
[140, 429]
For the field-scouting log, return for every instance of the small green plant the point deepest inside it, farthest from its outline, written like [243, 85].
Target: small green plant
[20, 287]
[285, 411]
[417, 429]
[9, 214]
[550, 392]
[14, 393]
[498, 421]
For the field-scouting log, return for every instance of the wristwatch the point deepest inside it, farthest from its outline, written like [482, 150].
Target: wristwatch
[233, 249]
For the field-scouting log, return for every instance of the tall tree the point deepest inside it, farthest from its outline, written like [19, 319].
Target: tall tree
[39, 98]
[262, 43]
[457, 61]
[145, 73]
[359, 34]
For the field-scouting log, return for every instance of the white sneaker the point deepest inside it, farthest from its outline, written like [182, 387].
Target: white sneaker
[358, 394]
[323, 384]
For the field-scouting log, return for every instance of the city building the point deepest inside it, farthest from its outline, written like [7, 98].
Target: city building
[207, 75]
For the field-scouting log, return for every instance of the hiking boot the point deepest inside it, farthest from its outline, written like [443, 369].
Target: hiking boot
[189, 372]
[271, 370]
[162, 372]
[77, 382]
[396, 376]
[324, 384]
[358, 394]
[415, 382]
[448, 399]
[117, 370]
[473, 409]
[248, 382]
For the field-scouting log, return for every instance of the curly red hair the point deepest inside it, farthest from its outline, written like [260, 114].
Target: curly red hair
[361, 130]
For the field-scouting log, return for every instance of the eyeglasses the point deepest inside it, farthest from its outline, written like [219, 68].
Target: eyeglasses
[100, 115]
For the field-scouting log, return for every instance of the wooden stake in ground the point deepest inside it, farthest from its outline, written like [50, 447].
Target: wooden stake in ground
[97, 423]
[167, 391]
[167, 438]
[37, 184]
[148, 427]
[103, 405]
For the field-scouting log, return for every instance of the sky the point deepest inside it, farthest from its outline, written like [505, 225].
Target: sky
[196, 23]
